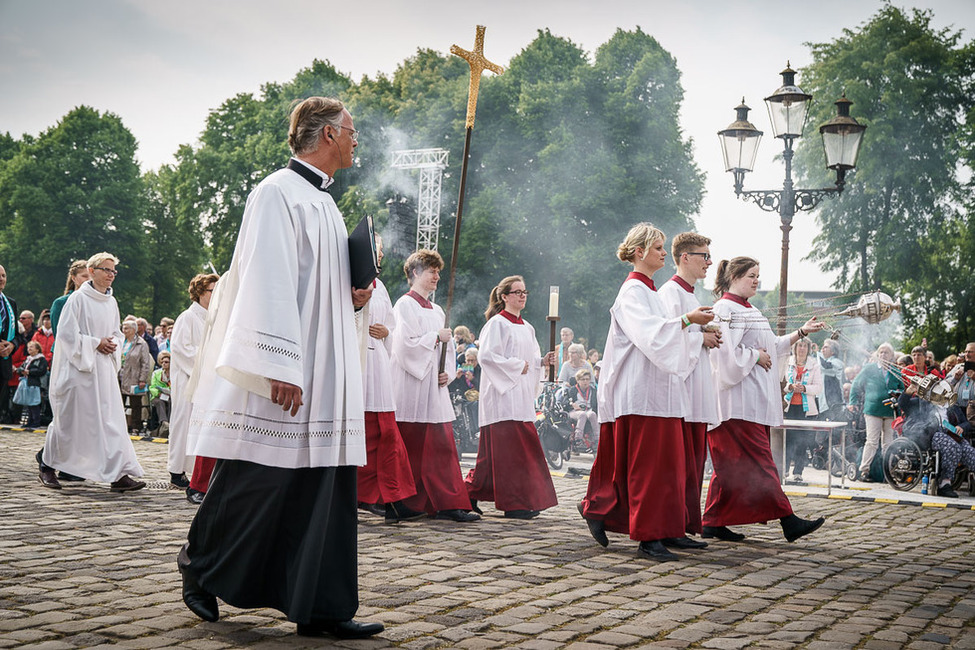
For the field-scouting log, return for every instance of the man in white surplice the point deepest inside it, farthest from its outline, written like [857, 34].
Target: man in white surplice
[278, 400]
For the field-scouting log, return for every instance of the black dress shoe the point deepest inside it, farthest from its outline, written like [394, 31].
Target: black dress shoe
[48, 479]
[722, 533]
[521, 514]
[655, 550]
[179, 481]
[596, 528]
[946, 491]
[71, 478]
[341, 629]
[684, 542]
[194, 496]
[474, 507]
[198, 600]
[795, 527]
[456, 515]
[397, 512]
[127, 484]
[373, 508]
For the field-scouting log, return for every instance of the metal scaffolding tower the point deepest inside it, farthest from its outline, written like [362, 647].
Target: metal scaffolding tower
[431, 163]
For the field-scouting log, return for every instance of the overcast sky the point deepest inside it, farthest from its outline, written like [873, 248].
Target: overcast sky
[162, 66]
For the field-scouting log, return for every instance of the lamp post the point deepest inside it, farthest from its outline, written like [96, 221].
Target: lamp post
[787, 108]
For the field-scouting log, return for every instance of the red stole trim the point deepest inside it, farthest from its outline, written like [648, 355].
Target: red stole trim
[426, 304]
[683, 283]
[733, 298]
[636, 275]
[517, 320]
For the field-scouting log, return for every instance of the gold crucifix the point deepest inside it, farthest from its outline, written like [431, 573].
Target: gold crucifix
[478, 64]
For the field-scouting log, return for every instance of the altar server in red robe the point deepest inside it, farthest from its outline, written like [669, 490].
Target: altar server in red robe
[637, 484]
[511, 470]
[424, 413]
[693, 257]
[745, 487]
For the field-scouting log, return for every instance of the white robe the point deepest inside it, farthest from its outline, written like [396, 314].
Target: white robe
[645, 359]
[184, 342]
[88, 436]
[702, 395]
[282, 311]
[416, 362]
[505, 393]
[746, 391]
[378, 383]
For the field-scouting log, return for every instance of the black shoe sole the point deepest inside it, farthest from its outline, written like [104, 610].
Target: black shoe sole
[816, 525]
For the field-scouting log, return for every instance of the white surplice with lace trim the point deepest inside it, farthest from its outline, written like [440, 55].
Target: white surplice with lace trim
[283, 311]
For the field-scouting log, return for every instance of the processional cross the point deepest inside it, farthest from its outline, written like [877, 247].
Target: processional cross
[478, 63]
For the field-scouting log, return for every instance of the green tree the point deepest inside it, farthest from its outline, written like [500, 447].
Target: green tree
[175, 247]
[73, 191]
[898, 225]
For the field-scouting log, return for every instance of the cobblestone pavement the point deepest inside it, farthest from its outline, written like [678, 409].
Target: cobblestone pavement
[83, 567]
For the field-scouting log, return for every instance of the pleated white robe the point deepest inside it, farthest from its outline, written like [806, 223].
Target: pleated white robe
[744, 391]
[283, 311]
[88, 436]
[184, 342]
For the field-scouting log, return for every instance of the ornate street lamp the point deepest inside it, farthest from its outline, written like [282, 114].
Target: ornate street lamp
[787, 109]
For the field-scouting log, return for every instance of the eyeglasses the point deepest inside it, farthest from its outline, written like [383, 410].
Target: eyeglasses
[105, 270]
[520, 292]
[355, 133]
[26, 318]
[706, 256]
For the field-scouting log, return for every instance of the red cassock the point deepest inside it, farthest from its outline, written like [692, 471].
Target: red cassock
[436, 467]
[695, 457]
[744, 488]
[202, 469]
[511, 470]
[386, 476]
[637, 483]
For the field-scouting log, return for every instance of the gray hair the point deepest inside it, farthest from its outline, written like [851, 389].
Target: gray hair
[308, 118]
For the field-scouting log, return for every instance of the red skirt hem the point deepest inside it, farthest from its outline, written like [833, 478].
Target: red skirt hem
[511, 469]
[387, 476]
[436, 467]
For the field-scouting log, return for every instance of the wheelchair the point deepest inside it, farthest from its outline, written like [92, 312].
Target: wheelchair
[906, 463]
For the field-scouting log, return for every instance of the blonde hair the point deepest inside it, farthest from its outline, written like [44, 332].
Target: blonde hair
[643, 235]
[100, 258]
[685, 241]
[76, 267]
[583, 373]
[495, 303]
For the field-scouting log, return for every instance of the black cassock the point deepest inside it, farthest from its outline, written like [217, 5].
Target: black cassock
[279, 538]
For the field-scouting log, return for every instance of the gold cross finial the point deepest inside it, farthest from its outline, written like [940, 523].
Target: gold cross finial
[478, 64]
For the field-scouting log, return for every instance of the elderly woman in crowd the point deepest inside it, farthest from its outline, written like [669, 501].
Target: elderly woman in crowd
[803, 382]
[135, 373]
[870, 388]
[159, 392]
[575, 363]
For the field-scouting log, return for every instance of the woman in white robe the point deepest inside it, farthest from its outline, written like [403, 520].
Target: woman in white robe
[637, 484]
[88, 436]
[745, 487]
[184, 342]
[511, 470]
[424, 413]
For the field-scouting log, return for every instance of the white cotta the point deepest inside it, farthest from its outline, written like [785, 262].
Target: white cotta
[416, 362]
[646, 352]
[746, 391]
[506, 392]
[702, 395]
[88, 436]
[184, 342]
[282, 311]
[377, 378]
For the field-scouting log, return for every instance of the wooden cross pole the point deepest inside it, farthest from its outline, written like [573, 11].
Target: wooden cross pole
[475, 59]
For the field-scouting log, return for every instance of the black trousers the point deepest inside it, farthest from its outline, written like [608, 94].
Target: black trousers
[797, 442]
[280, 538]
